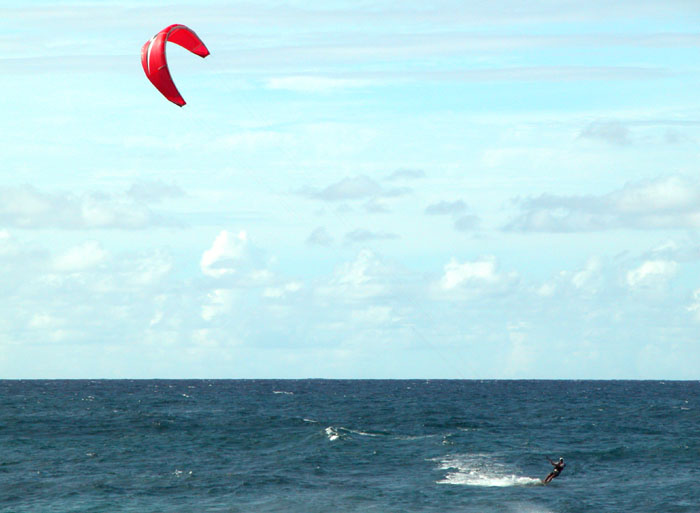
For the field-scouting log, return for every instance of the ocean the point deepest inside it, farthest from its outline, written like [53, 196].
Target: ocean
[348, 446]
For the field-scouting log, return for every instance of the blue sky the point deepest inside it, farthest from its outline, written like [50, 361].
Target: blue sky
[353, 190]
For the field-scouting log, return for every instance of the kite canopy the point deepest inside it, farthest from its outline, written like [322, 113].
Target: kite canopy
[155, 64]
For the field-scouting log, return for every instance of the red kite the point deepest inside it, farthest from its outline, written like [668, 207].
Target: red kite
[155, 64]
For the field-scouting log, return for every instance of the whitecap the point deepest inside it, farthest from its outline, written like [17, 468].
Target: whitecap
[481, 470]
[332, 433]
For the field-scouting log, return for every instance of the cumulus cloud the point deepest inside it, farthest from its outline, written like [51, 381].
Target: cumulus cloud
[29, 208]
[457, 274]
[590, 279]
[652, 272]
[664, 203]
[228, 251]
[364, 278]
[354, 188]
[463, 222]
[238, 266]
[476, 277]
[83, 293]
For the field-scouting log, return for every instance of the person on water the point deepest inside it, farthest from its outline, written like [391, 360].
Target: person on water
[558, 467]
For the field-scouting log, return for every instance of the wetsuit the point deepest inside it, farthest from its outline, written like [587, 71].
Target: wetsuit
[558, 467]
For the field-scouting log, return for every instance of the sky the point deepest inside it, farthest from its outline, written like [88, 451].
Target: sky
[386, 189]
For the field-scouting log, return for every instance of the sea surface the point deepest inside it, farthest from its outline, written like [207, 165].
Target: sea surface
[348, 446]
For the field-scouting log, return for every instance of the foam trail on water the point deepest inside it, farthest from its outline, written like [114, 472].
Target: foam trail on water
[340, 432]
[481, 470]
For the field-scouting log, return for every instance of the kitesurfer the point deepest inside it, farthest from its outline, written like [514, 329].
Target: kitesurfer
[558, 467]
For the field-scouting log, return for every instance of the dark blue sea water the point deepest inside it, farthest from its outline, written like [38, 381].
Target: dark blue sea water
[348, 446]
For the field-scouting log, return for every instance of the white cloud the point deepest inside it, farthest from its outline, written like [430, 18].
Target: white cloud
[672, 194]
[546, 289]
[149, 270]
[590, 276]
[9, 246]
[665, 203]
[626, 132]
[695, 305]
[457, 275]
[475, 277]
[29, 208]
[521, 356]
[101, 211]
[354, 188]
[446, 208]
[612, 132]
[84, 257]
[652, 272]
[282, 291]
[226, 253]
[590, 279]
[219, 302]
[44, 321]
[260, 277]
[364, 278]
